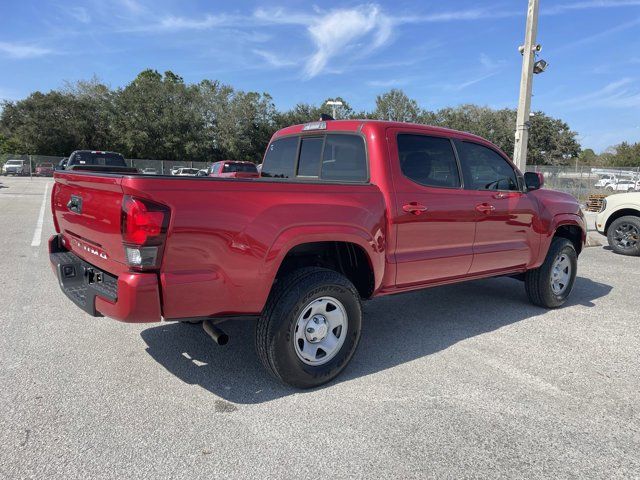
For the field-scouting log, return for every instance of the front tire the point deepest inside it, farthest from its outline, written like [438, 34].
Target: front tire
[624, 235]
[550, 284]
[310, 327]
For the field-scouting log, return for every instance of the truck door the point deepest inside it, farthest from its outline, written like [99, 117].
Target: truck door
[434, 216]
[505, 237]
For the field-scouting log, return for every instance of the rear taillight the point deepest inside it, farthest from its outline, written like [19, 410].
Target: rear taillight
[144, 229]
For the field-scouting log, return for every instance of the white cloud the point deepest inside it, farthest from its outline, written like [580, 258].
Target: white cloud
[274, 60]
[181, 23]
[601, 34]
[623, 93]
[79, 13]
[20, 50]
[393, 82]
[335, 32]
[590, 4]
[342, 35]
[132, 6]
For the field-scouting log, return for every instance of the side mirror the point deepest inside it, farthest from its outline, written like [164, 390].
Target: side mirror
[533, 180]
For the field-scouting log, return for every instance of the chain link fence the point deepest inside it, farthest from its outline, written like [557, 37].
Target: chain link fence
[583, 181]
[579, 181]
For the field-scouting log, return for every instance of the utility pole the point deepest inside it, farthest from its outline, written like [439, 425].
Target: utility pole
[526, 82]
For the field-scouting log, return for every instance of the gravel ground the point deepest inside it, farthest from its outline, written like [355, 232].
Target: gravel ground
[459, 381]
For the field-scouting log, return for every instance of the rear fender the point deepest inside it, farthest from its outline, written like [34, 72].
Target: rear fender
[373, 246]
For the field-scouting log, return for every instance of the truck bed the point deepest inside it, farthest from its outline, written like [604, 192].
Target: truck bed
[225, 238]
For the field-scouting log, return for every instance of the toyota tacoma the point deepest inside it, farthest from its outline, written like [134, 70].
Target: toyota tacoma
[343, 211]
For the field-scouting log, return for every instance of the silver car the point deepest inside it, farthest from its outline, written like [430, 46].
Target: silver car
[15, 167]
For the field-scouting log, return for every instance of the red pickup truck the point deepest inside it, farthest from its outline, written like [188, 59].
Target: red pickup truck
[343, 211]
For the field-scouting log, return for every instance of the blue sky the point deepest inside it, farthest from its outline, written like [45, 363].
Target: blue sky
[440, 53]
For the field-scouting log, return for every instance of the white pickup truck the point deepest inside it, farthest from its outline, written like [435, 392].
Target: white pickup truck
[619, 220]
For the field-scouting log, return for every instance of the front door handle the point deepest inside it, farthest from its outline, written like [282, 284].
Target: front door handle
[414, 208]
[485, 208]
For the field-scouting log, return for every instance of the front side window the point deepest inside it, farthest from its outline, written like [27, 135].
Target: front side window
[429, 161]
[485, 169]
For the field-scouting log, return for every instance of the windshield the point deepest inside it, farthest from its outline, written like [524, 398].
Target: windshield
[14, 162]
[240, 167]
[97, 158]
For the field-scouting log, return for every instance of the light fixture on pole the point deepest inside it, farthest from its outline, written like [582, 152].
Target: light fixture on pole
[333, 104]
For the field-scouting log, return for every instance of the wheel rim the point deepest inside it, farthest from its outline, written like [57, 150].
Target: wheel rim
[321, 330]
[560, 274]
[626, 236]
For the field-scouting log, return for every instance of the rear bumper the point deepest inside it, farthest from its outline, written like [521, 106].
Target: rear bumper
[131, 297]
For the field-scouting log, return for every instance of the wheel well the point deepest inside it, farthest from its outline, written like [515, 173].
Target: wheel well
[620, 213]
[347, 258]
[572, 233]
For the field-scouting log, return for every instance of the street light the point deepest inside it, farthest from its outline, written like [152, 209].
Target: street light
[333, 104]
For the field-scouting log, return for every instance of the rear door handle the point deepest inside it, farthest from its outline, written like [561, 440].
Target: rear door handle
[414, 208]
[485, 208]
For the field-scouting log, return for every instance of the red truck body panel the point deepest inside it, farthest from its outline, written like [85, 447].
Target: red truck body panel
[227, 238]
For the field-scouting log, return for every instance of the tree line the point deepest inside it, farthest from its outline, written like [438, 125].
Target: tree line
[160, 116]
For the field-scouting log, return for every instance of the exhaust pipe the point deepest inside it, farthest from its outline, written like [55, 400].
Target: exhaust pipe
[214, 332]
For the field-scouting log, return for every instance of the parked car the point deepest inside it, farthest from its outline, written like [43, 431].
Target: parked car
[203, 172]
[234, 169]
[95, 160]
[186, 172]
[344, 211]
[605, 180]
[149, 171]
[15, 167]
[622, 186]
[619, 221]
[174, 170]
[44, 170]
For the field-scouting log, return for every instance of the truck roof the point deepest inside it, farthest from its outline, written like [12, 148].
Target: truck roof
[358, 124]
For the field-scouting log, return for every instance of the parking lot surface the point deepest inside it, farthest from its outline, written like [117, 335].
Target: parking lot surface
[460, 381]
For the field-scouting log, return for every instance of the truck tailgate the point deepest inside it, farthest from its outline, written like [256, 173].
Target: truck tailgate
[87, 209]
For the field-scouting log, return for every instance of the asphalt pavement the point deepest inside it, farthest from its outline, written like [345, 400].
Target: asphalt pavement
[467, 380]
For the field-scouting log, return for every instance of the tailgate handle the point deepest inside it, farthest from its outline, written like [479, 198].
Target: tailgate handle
[75, 204]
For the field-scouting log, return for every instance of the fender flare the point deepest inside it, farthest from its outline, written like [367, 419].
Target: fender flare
[561, 220]
[373, 247]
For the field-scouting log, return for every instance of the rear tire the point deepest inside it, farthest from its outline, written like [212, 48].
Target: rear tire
[310, 327]
[624, 235]
[550, 284]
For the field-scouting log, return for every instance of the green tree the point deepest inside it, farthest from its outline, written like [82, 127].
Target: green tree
[396, 106]
[157, 118]
[246, 125]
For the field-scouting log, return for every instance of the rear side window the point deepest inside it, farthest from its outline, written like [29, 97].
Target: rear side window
[279, 162]
[339, 157]
[429, 161]
[485, 169]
